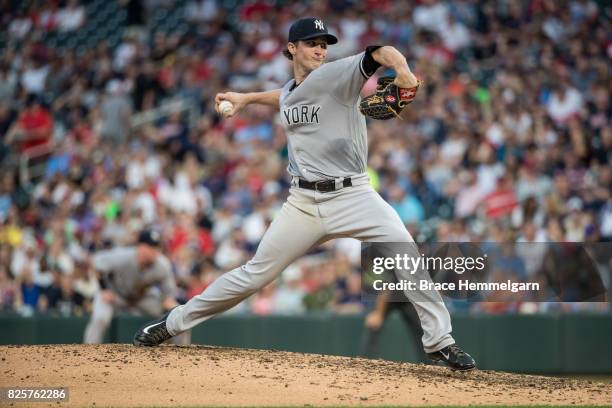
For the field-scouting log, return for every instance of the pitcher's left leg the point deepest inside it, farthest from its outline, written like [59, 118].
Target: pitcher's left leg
[362, 213]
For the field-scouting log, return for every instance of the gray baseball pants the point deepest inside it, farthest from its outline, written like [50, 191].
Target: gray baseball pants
[306, 220]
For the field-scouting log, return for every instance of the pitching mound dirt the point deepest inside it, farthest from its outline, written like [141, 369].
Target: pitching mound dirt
[125, 376]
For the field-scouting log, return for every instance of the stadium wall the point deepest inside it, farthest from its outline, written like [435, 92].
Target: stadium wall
[544, 344]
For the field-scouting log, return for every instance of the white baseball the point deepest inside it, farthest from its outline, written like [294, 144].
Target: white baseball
[225, 107]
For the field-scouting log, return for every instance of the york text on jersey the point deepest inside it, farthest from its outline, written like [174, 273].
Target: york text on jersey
[301, 114]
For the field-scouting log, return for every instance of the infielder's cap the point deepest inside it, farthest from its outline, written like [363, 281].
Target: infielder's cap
[308, 28]
[149, 237]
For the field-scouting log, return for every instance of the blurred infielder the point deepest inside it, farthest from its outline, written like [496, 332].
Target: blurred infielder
[330, 193]
[137, 278]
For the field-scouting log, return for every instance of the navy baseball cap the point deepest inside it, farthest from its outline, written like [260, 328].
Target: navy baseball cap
[309, 28]
[149, 237]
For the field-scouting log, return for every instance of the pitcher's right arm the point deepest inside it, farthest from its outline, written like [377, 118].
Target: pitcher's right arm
[240, 100]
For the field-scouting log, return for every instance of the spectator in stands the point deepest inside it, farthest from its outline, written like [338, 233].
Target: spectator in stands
[202, 276]
[71, 17]
[116, 111]
[289, 298]
[349, 296]
[501, 201]
[7, 190]
[263, 302]
[20, 25]
[407, 206]
[61, 296]
[8, 85]
[324, 291]
[29, 293]
[8, 289]
[26, 258]
[565, 102]
[33, 128]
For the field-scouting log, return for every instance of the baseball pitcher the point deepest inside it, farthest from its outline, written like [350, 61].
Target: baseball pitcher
[330, 195]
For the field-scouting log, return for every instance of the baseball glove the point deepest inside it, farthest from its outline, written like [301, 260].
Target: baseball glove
[388, 100]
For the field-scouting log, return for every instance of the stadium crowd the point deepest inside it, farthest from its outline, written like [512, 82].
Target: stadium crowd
[508, 141]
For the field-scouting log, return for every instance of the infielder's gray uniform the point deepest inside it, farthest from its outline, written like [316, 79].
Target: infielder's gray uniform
[135, 288]
[327, 139]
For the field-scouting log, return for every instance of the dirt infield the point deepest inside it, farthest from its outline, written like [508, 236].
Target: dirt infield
[125, 376]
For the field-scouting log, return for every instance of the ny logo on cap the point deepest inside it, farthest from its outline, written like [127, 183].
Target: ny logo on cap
[319, 24]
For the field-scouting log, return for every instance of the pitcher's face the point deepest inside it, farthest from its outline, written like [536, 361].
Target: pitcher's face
[311, 54]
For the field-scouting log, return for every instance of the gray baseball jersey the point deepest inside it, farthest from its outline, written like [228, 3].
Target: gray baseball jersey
[326, 134]
[119, 267]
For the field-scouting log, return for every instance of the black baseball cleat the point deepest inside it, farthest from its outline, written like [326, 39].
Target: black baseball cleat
[453, 357]
[153, 333]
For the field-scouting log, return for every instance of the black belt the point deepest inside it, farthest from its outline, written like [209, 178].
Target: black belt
[324, 186]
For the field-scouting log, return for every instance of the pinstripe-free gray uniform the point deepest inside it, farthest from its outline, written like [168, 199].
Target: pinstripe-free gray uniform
[142, 289]
[327, 140]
